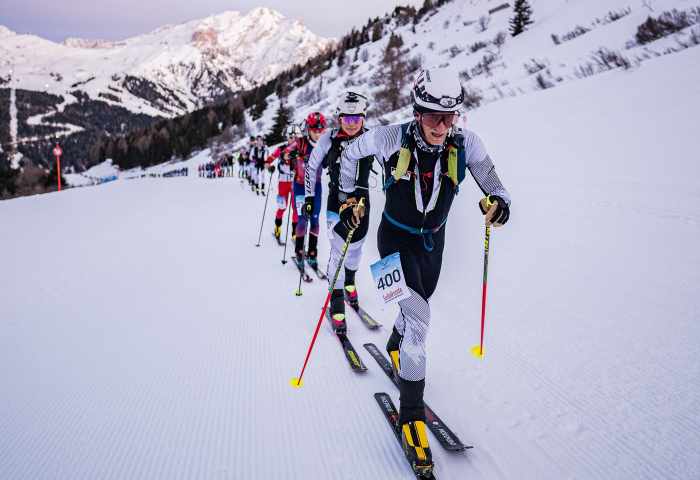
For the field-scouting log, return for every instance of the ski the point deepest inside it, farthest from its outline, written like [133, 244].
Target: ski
[446, 437]
[305, 276]
[279, 240]
[366, 318]
[391, 414]
[319, 273]
[351, 354]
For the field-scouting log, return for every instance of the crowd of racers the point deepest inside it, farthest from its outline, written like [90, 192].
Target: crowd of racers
[423, 162]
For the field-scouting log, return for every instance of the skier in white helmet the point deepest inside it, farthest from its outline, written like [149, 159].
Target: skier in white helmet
[286, 177]
[424, 162]
[350, 115]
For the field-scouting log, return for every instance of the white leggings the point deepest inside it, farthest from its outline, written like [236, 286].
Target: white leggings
[352, 257]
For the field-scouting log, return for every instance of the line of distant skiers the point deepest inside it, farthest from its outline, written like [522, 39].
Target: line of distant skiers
[180, 172]
[217, 169]
[252, 163]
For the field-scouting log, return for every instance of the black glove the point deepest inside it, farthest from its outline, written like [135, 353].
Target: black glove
[308, 209]
[271, 168]
[351, 213]
[496, 210]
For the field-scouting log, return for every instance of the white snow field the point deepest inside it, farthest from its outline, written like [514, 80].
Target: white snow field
[143, 336]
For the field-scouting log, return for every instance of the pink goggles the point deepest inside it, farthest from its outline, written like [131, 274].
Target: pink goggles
[352, 119]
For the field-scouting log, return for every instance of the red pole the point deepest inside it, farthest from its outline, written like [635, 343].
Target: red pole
[57, 153]
[58, 171]
[313, 340]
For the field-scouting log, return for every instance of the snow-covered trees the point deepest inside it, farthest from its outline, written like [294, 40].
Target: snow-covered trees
[522, 18]
[392, 75]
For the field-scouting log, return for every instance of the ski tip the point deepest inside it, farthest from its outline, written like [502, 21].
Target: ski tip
[478, 352]
[295, 382]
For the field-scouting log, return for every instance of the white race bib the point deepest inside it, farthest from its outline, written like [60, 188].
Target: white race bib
[389, 279]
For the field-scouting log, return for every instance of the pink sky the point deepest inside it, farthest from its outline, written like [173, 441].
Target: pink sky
[118, 19]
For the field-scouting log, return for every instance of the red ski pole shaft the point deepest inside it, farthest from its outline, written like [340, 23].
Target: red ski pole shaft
[313, 340]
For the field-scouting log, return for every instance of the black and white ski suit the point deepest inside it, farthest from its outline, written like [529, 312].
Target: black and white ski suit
[258, 155]
[420, 199]
[327, 153]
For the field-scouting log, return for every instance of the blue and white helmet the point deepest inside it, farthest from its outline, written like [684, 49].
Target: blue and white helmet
[352, 102]
[437, 90]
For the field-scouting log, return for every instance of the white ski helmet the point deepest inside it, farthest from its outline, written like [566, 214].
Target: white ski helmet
[437, 90]
[351, 102]
[292, 130]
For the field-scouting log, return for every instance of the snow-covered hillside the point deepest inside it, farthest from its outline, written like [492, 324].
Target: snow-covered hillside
[570, 40]
[169, 71]
[144, 336]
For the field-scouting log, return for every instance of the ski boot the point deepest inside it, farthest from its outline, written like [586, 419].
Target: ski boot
[299, 252]
[278, 228]
[338, 312]
[312, 251]
[294, 231]
[350, 289]
[351, 296]
[299, 260]
[392, 348]
[414, 439]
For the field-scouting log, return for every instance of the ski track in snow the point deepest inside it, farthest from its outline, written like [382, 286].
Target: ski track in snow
[40, 120]
[144, 336]
[13, 127]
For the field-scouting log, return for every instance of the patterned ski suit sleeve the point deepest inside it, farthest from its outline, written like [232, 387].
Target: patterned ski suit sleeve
[315, 161]
[381, 142]
[481, 167]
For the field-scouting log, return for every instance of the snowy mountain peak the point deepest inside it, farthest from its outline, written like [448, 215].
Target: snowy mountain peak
[169, 71]
[265, 13]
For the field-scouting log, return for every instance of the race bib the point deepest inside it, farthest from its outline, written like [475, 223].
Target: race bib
[389, 279]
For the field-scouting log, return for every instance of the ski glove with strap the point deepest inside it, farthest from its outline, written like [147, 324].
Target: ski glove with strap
[308, 208]
[271, 168]
[496, 210]
[351, 213]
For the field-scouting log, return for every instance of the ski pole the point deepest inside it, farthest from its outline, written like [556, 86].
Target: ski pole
[286, 235]
[478, 351]
[299, 293]
[262, 222]
[296, 381]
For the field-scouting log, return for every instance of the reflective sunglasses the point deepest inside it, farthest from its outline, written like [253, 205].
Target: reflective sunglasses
[351, 119]
[433, 119]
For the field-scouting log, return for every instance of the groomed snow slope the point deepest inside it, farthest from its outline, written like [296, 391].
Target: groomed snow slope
[144, 336]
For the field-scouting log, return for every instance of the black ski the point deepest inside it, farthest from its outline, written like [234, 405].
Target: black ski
[319, 273]
[391, 414]
[351, 354]
[366, 318]
[446, 437]
[279, 240]
[305, 276]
